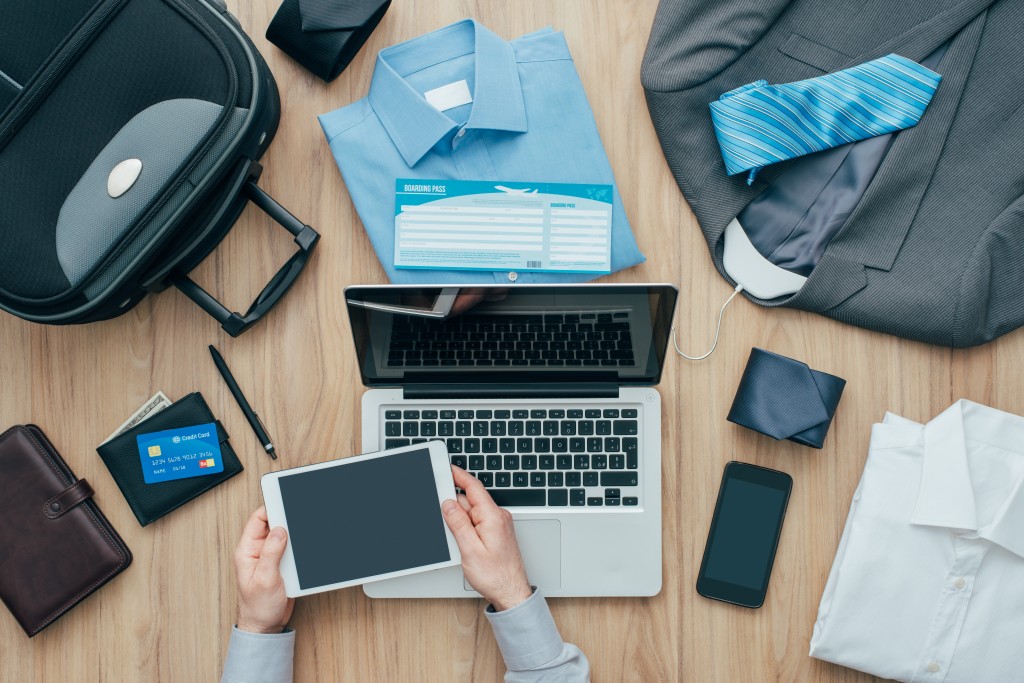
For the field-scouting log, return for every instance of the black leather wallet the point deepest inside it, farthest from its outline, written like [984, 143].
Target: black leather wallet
[324, 35]
[150, 502]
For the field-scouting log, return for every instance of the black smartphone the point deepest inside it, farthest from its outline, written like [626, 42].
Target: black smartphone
[744, 534]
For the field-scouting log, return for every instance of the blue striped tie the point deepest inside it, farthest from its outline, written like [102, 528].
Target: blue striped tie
[760, 124]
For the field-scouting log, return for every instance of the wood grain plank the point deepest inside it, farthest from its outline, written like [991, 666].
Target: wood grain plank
[167, 618]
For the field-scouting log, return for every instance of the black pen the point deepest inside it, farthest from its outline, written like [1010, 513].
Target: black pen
[250, 414]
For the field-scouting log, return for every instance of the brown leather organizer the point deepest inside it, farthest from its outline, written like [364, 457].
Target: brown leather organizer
[56, 547]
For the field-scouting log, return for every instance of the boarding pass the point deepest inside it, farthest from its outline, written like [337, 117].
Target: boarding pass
[486, 225]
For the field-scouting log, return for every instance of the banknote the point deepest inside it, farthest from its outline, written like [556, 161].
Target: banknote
[154, 405]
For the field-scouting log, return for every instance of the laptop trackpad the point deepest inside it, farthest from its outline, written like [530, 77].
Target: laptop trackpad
[540, 542]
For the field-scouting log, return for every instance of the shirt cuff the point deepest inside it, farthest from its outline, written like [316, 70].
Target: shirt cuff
[526, 634]
[259, 657]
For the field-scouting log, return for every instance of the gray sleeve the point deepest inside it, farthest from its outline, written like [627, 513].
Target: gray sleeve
[532, 647]
[259, 657]
[993, 279]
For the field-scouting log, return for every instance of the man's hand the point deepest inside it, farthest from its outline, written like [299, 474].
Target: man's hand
[262, 604]
[469, 297]
[487, 540]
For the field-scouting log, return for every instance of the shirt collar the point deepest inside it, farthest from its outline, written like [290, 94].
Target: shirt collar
[411, 122]
[946, 497]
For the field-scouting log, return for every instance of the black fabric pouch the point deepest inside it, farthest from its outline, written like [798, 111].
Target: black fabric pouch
[325, 35]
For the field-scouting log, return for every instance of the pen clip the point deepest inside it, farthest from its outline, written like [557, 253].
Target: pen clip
[260, 420]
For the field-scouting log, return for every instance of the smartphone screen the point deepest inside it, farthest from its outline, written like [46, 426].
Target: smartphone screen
[744, 534]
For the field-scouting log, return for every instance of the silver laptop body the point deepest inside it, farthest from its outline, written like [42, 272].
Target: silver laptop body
[546, 394]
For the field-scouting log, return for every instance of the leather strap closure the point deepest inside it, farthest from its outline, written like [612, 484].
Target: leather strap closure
[222, 434]
[68, 499]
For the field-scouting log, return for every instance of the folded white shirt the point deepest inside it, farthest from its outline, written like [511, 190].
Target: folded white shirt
[928, 581]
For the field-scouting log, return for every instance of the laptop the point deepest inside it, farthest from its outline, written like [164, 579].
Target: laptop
[546, 394]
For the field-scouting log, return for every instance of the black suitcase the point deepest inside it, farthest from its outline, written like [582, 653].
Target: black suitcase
[129, 138]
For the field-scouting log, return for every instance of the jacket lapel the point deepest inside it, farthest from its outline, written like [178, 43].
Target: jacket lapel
[877, 227]
[923, 39]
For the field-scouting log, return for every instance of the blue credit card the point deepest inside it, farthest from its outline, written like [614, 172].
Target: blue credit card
[180, 453]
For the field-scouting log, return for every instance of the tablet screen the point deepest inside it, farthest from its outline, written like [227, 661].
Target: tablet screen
[367, 518]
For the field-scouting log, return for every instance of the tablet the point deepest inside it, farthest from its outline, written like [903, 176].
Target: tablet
[427, 302]
[365, 518]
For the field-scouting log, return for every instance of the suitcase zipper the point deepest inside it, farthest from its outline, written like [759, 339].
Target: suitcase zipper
[66, 55]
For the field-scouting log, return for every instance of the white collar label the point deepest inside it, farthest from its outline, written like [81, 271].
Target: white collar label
[449, 96]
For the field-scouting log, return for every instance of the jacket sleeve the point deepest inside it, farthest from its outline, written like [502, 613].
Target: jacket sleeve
[259, 657]
[988, 304]
[694, 40]
[532, 646]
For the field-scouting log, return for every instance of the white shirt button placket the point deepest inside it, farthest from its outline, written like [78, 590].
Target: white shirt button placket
[951, 608]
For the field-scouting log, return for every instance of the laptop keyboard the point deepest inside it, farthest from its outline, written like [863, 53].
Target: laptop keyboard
[556, 457]
[589, 338]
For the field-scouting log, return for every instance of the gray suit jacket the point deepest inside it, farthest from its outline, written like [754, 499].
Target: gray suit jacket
[934, 250]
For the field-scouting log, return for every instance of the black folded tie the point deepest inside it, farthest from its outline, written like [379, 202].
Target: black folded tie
[324, 35]
[784, 399]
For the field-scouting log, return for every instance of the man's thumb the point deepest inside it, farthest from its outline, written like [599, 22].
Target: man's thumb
[272, 551]
[458, 521]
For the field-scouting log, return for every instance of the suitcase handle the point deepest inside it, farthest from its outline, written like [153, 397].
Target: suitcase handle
[305, 237]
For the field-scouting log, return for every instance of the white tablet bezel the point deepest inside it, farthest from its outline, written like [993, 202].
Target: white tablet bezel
[443, 482]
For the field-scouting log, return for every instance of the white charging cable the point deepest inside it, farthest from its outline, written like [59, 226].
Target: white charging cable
[718, 329]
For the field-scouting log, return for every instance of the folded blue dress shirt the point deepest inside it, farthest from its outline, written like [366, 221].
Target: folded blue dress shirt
[529, 121]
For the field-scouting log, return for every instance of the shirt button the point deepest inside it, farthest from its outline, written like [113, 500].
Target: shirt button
[461, 132]
[513, 276]
[959, 584]
[933, 667]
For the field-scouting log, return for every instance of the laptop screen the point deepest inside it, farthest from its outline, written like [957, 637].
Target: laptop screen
[526, 333]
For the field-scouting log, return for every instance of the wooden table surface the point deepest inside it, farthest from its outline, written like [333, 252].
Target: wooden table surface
[167, 618]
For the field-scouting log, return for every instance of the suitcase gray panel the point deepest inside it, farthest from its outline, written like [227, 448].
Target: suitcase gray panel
[234, 123]
[163, 137]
